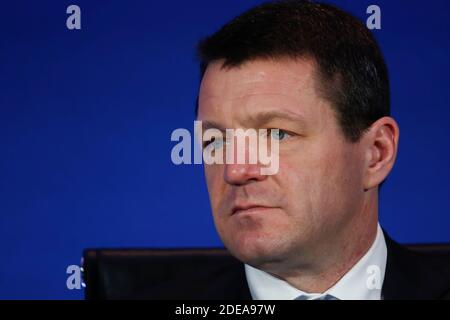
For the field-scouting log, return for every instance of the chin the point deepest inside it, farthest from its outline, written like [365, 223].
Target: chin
[254, 250]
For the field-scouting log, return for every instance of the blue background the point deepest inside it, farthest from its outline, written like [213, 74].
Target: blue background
[86, 118]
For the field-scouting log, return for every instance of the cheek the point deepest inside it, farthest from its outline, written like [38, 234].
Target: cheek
[334, 179]
[306, 170]
[297, 178]
[214, 183]
[318, 177]
[209, 176]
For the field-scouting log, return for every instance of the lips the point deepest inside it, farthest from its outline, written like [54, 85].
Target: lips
[249, 208]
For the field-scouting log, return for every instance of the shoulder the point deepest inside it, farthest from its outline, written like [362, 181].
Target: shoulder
[416, 274]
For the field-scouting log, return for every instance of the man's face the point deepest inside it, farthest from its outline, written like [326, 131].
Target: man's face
[318, 188]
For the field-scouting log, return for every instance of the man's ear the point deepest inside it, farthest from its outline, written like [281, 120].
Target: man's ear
[380, 142]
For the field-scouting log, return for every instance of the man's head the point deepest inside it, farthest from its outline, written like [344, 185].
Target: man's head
[317, 74]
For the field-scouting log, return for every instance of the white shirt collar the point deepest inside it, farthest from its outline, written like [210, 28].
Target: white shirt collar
[362, 282]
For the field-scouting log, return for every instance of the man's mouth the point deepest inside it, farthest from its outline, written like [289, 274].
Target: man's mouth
[250, 208]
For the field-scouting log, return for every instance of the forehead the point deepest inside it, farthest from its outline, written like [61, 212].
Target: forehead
[257, 85]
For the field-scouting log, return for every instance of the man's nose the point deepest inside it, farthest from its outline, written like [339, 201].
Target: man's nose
[242, 174]
[245, 166]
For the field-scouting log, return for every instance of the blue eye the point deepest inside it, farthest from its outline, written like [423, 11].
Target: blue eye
[217, 143]
[214, 143]
[279, 134]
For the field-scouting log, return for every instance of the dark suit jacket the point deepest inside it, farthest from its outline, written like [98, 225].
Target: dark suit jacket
[409, 275]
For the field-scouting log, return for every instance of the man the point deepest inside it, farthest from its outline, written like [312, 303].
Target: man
[311, 230]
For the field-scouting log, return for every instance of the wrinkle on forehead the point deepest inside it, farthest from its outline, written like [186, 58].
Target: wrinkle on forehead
[229, 96]
[286, 77]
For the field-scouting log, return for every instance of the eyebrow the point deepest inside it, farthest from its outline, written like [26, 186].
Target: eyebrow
[209, 124]
[260, 119]
[263, 118]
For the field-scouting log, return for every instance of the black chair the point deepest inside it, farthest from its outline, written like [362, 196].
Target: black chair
[153, 273]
